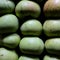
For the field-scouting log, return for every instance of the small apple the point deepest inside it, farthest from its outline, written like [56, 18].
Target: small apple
[27, 8]
[8, 23]
[52, 8]
[11, 41]
[47, 57]
[6, 7]
[52, 46]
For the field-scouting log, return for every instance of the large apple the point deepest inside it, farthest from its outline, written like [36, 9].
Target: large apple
[31, 45]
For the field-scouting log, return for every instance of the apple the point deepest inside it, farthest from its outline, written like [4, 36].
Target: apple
[31, 27]
[52, 27]
[31, 45]
[52, 46]
[6, 6]
[8, 23]
[11, 41]
[27, 8]
[6, 54]
[52, 8]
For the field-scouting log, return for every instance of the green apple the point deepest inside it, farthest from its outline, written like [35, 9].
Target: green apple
[52, 8]
[11, 41]
[52, 46]
[52, 27]
[28, 58]
[6, 54]
[27, 8]
[6, 6]
[31, 27]
[8, 23]
[47, 57]
[31, 45]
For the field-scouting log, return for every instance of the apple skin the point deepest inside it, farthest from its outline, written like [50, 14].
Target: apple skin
[31, 45]
[6, 54]
[27, 8]
[6, 7]
[52, 9]
[51, 28]
[8, 23]
[47, 57]
[31, 27]
[52, 46]
[28, 58]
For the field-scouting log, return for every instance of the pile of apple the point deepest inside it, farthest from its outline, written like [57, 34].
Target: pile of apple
[22, 32]
[51, 29]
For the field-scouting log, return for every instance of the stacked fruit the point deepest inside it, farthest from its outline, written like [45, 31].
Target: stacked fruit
[30, 45]
[9, 24]
[22, 33]
[51, 29]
